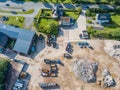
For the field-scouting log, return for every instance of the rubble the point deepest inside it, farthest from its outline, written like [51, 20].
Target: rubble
[113, 48]
[107, 78]
[85, 70]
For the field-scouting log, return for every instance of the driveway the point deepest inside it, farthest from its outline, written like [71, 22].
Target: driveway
[72, 34]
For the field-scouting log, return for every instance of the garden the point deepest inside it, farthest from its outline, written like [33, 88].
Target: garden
[4, 67]
[73, 13]
[46, 24]
[17, 21]
[110, 31]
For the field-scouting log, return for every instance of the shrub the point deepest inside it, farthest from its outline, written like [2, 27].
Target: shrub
[88, 13]
[79, 9]
[4, 67]
[89, 21]
[118, 9]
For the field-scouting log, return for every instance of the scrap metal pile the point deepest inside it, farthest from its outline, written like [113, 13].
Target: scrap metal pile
[107, 78]
[85, 70]
[113, 49]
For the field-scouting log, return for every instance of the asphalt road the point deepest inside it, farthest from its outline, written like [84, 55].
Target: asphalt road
[27, 6]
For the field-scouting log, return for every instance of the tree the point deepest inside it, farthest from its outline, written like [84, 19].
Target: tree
[97, 1]
[118, 9]
[53, 29]
[79, 9]
[4, 67]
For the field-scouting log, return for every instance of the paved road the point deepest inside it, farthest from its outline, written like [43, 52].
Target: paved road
[29, 5]
[15, 6]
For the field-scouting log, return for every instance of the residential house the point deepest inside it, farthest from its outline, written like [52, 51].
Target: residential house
[57, 12]
[66, 21]
[103, 18]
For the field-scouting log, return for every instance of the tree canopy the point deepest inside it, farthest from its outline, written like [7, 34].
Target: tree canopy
[4, 67]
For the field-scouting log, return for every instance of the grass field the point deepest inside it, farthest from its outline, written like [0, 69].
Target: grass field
[46, 22]
[13, 20]
[110, 31]
[23, 12]
[27, 12]
[115, 24]
[46, 13]
[74, 15]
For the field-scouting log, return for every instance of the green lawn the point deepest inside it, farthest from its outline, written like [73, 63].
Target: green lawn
[23, 12]
[45, 26]
[27, 12]
[46, 12]
[110, 31]
[13, 20]
[74, 15]
[115, 24]
[47, 22]
[44, 22]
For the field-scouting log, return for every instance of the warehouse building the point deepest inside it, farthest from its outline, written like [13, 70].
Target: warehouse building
[23, 37]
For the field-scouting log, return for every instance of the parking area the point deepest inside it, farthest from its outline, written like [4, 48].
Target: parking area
[72, 33]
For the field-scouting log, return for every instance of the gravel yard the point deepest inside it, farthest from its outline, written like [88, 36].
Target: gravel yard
[66, 78]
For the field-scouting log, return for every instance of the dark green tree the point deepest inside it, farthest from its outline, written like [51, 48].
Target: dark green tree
[53, 29]
[4, 66]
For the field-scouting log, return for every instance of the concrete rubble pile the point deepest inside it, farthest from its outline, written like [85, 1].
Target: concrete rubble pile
[113, 48]
[107, 78]
[85, 70]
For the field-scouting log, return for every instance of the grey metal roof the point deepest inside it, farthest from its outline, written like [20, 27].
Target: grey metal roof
[23, 37]
[3, 39]
[104, 16]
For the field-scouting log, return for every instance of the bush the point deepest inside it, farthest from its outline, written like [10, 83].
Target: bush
[45, 14]
[4, 67]
[79, 9]
[89, 21]
[118, 9]
[93, 18]
[88, 13]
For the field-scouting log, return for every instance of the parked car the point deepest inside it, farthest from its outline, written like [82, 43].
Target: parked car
[54, 44]
[23, 10]
[47, 61]
[68, 46]
[80, 44]
[49, 84]
[84, 35]
[68, 56]
[7, 4]
[5, 18]
[14, 12]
